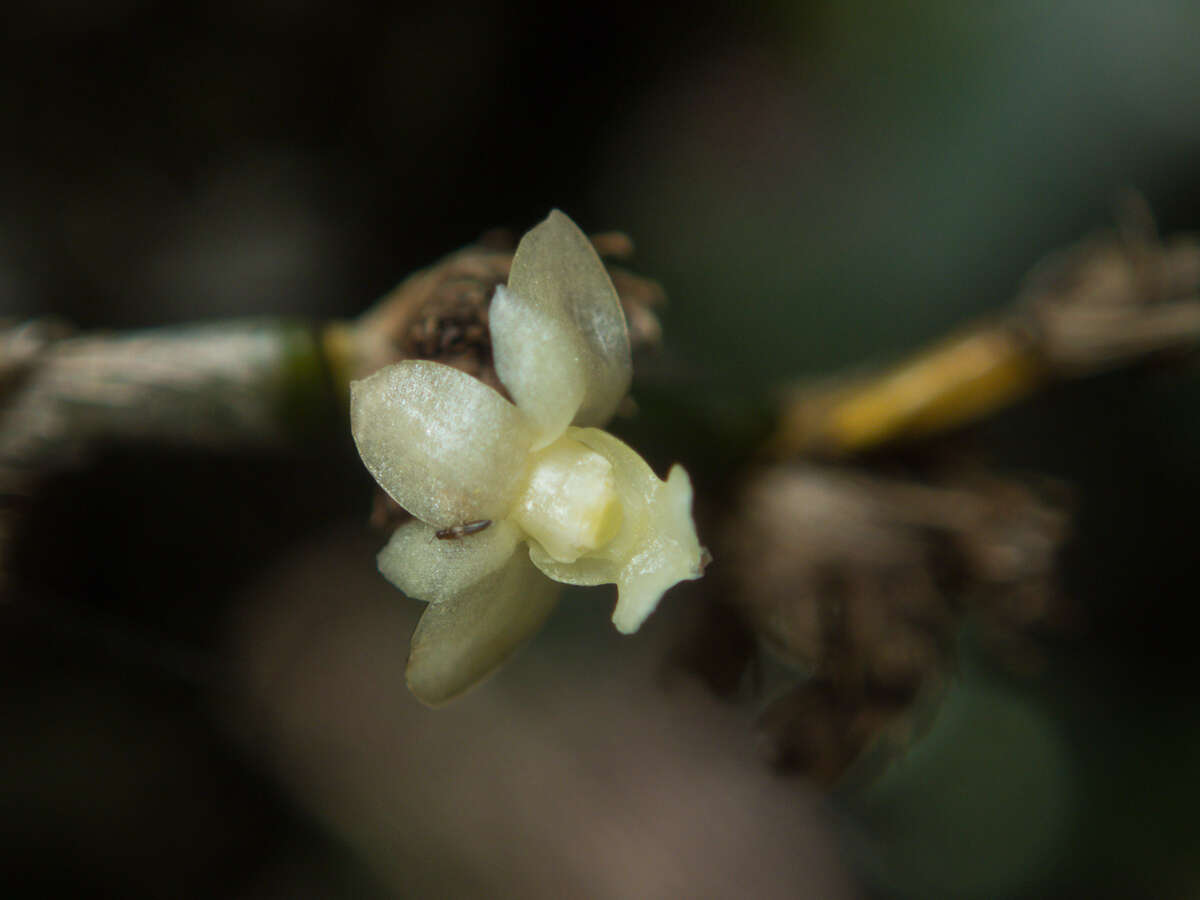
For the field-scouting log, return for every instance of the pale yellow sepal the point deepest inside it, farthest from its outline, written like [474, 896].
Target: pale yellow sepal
[559, 338]
[462, 639]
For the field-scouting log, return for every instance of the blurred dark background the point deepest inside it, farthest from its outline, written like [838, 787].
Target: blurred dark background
[202, 683]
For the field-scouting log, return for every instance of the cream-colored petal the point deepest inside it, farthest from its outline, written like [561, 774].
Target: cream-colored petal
[444, 445]
[656, 545]
[537, 358]
[559, 338]
[431, 569]
[464, 638]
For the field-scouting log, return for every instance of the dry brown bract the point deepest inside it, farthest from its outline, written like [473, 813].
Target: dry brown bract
[861, 582]
[441, 313]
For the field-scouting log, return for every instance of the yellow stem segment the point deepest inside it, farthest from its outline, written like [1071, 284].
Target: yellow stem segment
[959, 380]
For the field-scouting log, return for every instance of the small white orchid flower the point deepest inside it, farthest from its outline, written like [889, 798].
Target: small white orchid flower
[486, 478]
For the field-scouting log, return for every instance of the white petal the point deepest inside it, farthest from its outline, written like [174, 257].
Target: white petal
[428, 568]
[464, 638]
[656, 546]
[444, 445]
[559, 338]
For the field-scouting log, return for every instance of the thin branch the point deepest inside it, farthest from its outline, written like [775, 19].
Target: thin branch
[241, 384]
[1107, 303]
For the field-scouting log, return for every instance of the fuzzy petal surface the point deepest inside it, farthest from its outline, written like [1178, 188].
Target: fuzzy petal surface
[428, 568]
[444, 445]
[559, 338]
[464, 638]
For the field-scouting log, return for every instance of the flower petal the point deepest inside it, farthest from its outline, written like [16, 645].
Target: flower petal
[427, 568]
[465, 637]
[559, 338]
[444, 445]
[656, 546]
